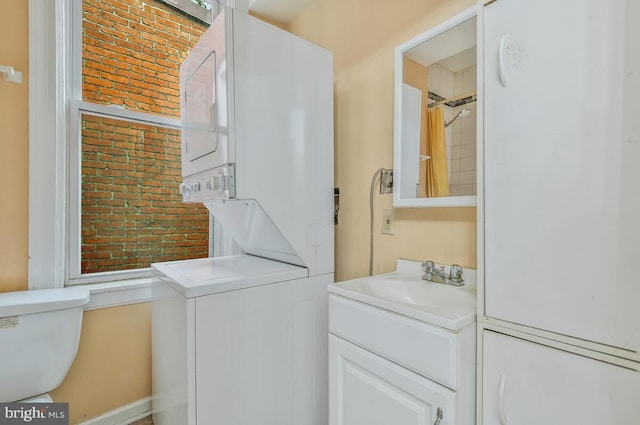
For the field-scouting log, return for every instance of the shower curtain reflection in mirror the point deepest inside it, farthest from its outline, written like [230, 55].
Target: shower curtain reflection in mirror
[437, 171]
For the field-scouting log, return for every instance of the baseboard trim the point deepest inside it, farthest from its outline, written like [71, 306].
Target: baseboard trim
[123, 415]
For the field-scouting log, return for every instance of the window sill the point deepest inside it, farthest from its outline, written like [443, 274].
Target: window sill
[122, 292]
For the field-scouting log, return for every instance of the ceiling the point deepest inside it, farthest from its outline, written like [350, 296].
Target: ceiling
[453, 48]
[280, 10]
[460, 61]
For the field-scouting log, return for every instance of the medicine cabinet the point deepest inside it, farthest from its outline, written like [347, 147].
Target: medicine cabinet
[435, 118]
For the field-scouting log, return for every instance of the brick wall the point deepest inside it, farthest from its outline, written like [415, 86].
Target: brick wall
[132, 214]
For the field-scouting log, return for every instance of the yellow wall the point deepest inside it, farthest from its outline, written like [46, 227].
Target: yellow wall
[14, 147]
[268, 20]
[113, 364]
[363, 35]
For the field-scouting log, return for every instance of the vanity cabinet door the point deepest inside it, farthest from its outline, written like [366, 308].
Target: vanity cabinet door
[561, 150]
[531, 384]
[365, 389]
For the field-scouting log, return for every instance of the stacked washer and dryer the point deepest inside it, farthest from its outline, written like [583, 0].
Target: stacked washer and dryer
[243, 339]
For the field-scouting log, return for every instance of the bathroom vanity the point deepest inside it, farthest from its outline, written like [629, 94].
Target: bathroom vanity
[402, 350]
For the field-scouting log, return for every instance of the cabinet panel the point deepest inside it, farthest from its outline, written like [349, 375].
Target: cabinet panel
[369, 390]
[261, 355]
[531, 384]
[410, 142]
[562, 144]
[427, 350]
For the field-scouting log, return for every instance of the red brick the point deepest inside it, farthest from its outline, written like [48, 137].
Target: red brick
[126, 15]
[98, 20]
[97, 35]
[138, 166]
[100, 82]
[99, 50]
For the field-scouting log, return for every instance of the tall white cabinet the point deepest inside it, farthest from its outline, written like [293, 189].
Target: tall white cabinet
[559, 316]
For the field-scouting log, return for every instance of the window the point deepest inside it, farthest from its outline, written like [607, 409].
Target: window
[104, 87]
[131, 209]
[125, 120]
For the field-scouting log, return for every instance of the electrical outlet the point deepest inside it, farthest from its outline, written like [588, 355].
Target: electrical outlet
[386, 182]
[388, 222]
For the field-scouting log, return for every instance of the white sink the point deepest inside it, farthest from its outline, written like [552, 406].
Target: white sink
[404, 292]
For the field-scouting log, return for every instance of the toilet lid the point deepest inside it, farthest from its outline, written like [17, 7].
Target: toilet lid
[42, 398]
[40, 300]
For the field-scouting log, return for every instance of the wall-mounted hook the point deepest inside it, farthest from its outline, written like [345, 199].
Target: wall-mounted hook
[10, 74]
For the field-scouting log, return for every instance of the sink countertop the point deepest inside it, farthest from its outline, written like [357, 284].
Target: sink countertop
[404, 292]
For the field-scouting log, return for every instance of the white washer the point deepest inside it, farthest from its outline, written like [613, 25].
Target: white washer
[239, 340]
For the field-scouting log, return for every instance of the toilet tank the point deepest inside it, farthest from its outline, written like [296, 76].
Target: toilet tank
[39, 335]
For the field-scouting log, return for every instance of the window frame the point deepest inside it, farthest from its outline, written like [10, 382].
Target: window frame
[55, 112]
[48, 87]
[78, 108]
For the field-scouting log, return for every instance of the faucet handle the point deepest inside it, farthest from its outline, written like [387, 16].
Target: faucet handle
[455, 273]
[428, 266]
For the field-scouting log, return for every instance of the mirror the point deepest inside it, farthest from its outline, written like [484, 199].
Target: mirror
[435, 116]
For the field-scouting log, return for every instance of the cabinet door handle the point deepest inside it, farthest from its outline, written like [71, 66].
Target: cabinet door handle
[502, 67]
[439, 416]
[501, 413]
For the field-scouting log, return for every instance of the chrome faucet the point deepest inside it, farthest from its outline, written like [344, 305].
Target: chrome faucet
[432, 274]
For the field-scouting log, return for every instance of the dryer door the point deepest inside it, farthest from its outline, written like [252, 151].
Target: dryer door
[203, 103]
[200, 123]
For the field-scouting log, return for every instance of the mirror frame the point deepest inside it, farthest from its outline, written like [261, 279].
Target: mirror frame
[445, 201]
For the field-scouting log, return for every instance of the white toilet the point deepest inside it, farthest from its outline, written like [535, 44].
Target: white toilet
[39, 335]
